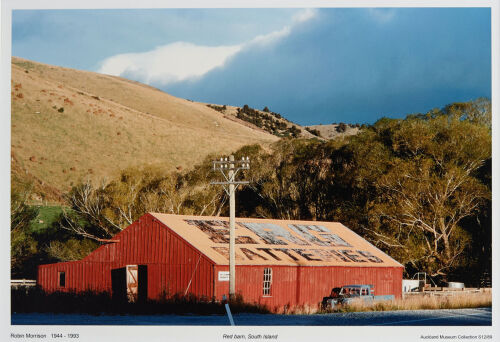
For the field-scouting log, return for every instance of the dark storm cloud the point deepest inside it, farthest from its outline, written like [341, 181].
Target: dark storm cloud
[356, 65]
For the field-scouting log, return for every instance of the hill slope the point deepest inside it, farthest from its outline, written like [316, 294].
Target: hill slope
[335, 131]
[68, 125]
[264, 120]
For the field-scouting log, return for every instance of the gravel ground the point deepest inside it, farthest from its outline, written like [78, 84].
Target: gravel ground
[478, 317]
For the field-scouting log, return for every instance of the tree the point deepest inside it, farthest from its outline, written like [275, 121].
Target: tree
[86, 216]
[23, 245]
[314, 131]
[477, 111]
[429, 190]
[71, 249]
[411, 187]
[341, 127]
[100, 212]
[272, 192]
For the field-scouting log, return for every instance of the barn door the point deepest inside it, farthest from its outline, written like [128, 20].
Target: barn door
[130, 283]
[132, 275]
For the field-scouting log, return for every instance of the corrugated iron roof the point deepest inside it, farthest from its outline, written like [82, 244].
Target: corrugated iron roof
[277, 242]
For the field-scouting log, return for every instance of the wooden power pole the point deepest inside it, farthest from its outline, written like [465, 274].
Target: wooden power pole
[230, 185]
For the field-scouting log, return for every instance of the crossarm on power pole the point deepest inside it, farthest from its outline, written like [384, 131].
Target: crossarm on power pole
[230, 185]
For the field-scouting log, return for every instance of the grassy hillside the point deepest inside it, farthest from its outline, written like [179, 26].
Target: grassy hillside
[335, 131]
[264, 120]
[68, 125]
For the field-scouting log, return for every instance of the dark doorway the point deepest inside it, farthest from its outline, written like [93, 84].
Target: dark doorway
[130, 283]
[143, 283]
[118, 285]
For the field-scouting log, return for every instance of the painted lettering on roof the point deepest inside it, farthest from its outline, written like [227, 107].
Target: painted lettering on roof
[288, 237]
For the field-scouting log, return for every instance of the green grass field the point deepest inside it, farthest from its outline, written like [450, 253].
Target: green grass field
[47, 215]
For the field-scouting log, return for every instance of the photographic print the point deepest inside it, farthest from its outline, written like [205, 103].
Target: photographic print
[253, 173]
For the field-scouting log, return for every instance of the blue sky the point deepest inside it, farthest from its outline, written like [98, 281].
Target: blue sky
[311, 65]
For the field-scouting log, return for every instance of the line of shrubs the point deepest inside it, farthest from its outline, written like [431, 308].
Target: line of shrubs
[221, 109]
[28, 300]
[267, 122]
[313, 131]
[265, 119]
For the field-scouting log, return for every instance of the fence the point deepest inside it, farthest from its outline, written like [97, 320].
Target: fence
[15, 283]
[447, 291]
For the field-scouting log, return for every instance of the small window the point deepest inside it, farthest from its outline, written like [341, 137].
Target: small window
[268, 279]
[62, 279]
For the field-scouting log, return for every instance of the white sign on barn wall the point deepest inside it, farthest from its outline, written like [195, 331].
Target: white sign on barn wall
[223, 275]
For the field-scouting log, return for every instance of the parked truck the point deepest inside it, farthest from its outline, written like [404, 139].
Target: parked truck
[348, 293]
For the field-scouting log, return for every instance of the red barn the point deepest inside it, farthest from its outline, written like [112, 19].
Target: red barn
[277, 262]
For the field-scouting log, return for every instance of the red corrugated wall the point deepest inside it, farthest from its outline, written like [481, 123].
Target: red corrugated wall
[172, 263]
[307, 285]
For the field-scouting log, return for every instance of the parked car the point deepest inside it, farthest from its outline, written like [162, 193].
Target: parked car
[349, 293]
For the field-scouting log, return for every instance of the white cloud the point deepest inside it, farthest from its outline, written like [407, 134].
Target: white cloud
[304, 15]
[169, 63]
[181, 60]
[298, 18]
[271, 37]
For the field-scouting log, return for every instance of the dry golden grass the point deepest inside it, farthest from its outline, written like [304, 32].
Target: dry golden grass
[107, 124]
[415, 302]
[301, 310]
[330, 131]
[425, 302]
